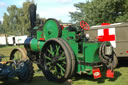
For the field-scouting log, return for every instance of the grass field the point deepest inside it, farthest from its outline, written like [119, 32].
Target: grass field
[120, 78]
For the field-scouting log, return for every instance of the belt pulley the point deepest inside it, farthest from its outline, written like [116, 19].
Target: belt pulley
[51, 29]
[110, 60]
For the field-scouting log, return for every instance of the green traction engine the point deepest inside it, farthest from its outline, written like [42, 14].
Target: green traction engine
[61, 52]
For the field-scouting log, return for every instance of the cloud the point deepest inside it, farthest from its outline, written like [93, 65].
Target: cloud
[1, 19]
[2, 4]
[58, 9]
[18, 3]
[55, 1]
[56, 12]
[64, 1]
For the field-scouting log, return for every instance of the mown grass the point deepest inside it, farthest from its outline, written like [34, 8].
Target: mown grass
[120, 78]
[6, 50]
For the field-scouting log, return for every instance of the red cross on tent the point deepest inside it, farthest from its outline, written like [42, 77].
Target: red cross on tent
[106, 36]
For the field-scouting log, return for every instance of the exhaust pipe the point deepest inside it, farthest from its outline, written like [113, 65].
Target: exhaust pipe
[32, 11]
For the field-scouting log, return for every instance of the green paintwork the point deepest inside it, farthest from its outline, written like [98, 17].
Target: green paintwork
[50, 29]
[36, 45]
[91, 51]
[39, 34]
[33, 44]
[40, 45]
[87, 54]
[91, 54]
[70, 38]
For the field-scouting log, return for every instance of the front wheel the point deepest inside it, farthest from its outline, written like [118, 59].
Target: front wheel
[56, 61]
[22, 62]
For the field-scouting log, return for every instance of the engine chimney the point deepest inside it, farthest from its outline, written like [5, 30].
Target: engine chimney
[32, 10]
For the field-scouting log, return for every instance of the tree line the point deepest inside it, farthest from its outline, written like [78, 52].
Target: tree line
[96, 12]
[17, 20]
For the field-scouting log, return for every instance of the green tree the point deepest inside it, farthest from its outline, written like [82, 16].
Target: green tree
[6, 23]
[23, 18]
[1, 28]
[10, 20]
[17, 21]
[99, 11]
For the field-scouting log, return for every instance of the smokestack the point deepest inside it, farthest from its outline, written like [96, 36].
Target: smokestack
[32, 10]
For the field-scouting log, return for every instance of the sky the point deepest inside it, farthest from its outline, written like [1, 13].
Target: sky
[58, 9]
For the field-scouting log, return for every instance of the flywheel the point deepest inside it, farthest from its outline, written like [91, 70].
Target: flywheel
[51, 29]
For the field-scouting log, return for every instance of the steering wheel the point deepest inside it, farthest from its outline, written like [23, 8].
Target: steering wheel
[84, 25]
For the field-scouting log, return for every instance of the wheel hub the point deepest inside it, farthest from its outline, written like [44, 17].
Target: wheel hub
[55, 60]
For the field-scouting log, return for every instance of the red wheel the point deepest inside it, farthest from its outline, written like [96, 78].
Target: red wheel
[84, 25]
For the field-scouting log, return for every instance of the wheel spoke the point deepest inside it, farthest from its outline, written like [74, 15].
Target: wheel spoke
[51, 52]
[55, 71]
[48, 58]
[50, 68]
[64, 62]
[49, 63]
[55, 68]
[62, 73]
[60, 67]
[57, 50]
[62, 58]
[62, 54]
[51, 49]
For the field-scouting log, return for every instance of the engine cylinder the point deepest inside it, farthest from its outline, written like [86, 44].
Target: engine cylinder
[32, 44]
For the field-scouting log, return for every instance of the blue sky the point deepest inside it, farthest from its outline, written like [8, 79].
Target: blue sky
[58, 9]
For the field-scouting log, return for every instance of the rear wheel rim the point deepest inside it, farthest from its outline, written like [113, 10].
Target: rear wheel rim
[56, 61]
[18, 55]
[72, 56]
